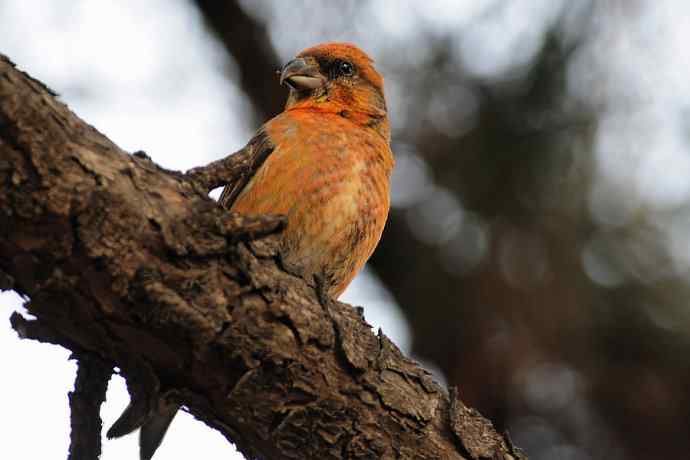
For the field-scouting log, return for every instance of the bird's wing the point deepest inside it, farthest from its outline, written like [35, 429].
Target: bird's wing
[260, 147]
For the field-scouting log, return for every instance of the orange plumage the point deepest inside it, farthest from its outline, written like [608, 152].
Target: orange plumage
[329, 167]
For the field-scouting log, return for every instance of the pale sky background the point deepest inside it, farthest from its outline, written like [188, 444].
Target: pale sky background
[146, 74]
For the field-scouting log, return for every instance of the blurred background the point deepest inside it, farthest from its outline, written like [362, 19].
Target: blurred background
[537, 253]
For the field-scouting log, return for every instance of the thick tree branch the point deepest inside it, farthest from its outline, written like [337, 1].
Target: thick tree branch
[136, 264]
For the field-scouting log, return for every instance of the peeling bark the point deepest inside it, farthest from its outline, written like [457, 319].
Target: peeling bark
[125, 260]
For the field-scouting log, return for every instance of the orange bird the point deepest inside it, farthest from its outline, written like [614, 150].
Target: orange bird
[325, 163]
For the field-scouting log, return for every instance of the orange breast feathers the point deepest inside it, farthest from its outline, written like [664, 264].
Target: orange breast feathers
[331, 179]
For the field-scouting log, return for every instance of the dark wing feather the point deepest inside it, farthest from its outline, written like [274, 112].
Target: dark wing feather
[260, 148]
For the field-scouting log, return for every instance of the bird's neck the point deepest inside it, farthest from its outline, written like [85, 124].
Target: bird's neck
[368, 117]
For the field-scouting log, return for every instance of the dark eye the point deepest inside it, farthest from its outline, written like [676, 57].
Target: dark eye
[345, 68]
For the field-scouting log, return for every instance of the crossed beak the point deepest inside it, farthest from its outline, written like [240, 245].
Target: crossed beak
[302, 74]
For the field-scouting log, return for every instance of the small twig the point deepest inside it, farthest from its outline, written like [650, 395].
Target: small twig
[89, 389]
[35, 329]
[6, 281]
[223, 171]
[85, 403]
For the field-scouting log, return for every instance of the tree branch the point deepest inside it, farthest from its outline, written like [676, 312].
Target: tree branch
[136, 264]
[85, 404]
[247, 40]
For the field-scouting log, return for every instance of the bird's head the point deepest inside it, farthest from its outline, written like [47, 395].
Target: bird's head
[338, 78]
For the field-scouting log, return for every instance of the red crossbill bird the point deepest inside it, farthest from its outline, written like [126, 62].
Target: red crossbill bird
[325, 163]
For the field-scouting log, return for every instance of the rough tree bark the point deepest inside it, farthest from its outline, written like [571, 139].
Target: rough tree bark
[136, 265]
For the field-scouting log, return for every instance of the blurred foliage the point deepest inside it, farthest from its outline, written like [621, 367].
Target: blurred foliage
[536, 259]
